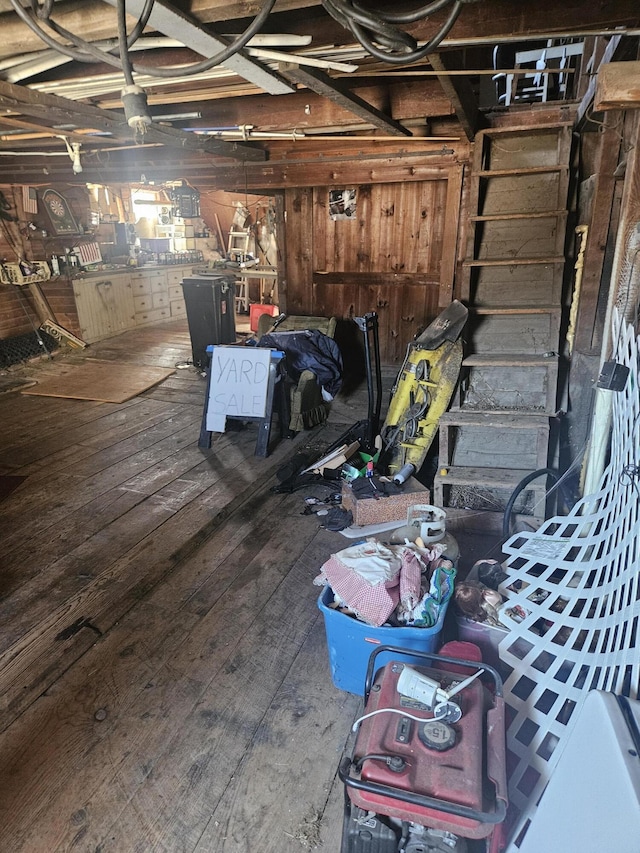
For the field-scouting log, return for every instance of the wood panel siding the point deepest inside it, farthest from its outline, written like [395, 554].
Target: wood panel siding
[395, 256]
[299, 260]
[404, 303]
[397, 228]
[346, 169]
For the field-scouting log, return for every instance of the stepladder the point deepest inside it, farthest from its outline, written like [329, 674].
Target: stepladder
[238, 252]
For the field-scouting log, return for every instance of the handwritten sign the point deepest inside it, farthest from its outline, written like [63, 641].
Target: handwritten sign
[239, 384]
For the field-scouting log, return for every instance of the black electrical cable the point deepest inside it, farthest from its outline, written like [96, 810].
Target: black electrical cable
[390, 760]
[416, 55]
[348, 15]
[42, 34]
[411, 17]
[122, 42]
[97, 55]
[541, 472]
[374, 32]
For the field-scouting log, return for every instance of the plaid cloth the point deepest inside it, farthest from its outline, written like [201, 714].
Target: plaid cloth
[374, 602]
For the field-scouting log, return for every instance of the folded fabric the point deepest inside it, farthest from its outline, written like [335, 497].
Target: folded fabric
[372, 579]
[426, 612]
[372, 560]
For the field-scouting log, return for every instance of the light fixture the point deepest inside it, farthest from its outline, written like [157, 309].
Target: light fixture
[136, 110]
[73, 149]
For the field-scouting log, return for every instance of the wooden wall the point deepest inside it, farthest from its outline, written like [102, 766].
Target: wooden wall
[398, 255]
[393, 256]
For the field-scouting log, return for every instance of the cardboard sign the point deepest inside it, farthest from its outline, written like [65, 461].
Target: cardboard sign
[239, 384]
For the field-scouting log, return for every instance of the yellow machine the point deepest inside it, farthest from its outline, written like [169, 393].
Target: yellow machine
[423, 390]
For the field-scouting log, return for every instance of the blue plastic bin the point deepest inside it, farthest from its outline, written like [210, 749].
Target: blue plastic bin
[350, 643]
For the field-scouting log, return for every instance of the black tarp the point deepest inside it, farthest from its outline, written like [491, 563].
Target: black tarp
[309, 350]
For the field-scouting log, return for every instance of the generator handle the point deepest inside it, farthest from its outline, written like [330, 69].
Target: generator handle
[493, 817]
[433, 657]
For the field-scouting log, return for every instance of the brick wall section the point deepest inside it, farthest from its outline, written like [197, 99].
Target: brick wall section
[18, 312]
[59, 294]
[13, 320]
[17, 307]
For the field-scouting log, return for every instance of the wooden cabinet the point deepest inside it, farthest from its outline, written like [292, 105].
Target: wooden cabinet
[110, 305]
[176, 297]
[105, 306]
[158, 294]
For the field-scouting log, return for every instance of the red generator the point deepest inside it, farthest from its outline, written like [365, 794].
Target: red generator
[428, 770]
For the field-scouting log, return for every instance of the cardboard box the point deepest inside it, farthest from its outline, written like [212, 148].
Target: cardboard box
[392, 508]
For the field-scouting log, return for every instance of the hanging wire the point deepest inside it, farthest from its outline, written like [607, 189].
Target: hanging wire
[84, 51]
[376, 33]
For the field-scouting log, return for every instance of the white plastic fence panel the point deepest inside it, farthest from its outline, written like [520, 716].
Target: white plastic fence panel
[576, 580]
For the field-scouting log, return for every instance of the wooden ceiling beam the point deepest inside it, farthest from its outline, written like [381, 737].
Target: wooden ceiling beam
[304, 110]
[171, 22]
[45, 130]
[487, 22]
[458, 90]
[336, 92]
[63, 111]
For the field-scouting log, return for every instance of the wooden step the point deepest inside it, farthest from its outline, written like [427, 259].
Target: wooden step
[513, 262]
[493, 478]
[500, 217]
[516, 309]
[493, 485]
[509, 360]
[495, 419]
[487, 438]
[531, 170]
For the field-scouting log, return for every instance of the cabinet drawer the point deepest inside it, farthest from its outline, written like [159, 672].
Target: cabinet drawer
[178, 308]
[160, 300]
[175, 292]
[140, 286]
[150, 275]
[159, 285]
[153, 316]
[175, 276]
[143, 303]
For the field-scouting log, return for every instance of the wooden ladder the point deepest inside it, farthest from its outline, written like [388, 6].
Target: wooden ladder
[498, 429]
[237, 250]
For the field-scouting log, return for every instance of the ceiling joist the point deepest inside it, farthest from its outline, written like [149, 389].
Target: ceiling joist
[459, 92]
[171, 22]
[63, 111]
[339, 94]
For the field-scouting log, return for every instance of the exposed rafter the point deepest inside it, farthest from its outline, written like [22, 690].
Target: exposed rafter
[63, 111]
[170, 21]
[339, 94]
[486, 22]
[41, 129]
[459, 92]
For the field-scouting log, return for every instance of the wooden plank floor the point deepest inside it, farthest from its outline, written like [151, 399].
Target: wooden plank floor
[164, 680]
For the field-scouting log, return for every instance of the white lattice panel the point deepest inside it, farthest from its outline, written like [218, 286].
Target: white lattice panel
[577, 581]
